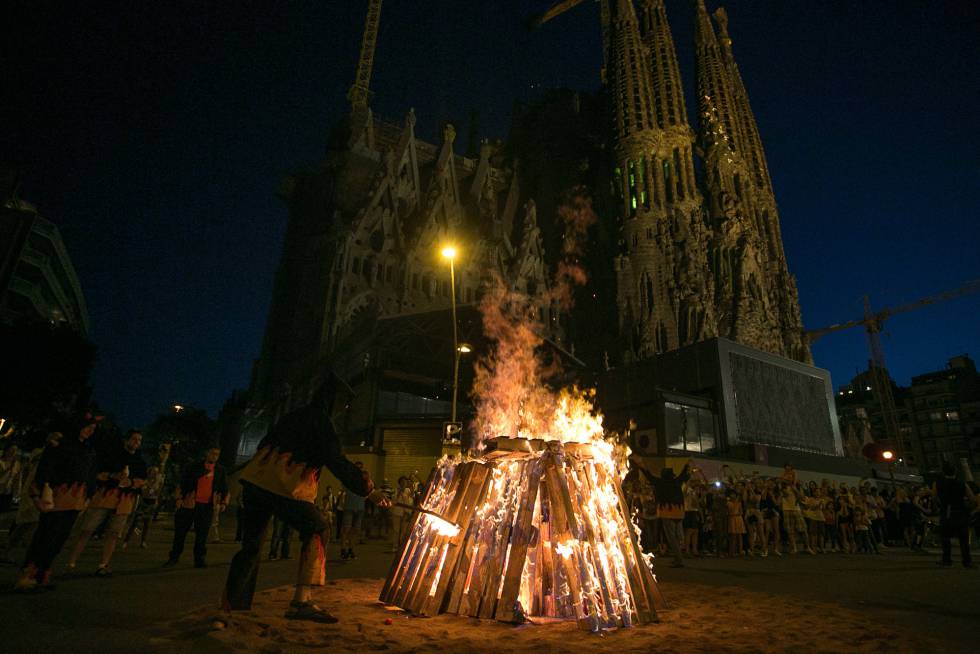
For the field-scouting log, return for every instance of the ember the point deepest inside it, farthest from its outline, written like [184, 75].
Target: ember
[537, 520]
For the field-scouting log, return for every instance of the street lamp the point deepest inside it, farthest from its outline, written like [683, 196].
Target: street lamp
[462, 349]
[449, 252]
[889, 458]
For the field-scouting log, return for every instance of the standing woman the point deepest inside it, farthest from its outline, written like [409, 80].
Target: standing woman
[692, 517]
[753, 516]
[770, 519]
[845, 522]
[736, 524]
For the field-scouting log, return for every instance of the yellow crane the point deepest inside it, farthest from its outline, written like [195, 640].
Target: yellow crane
[359, 92]
[874, 323]
[561, 7]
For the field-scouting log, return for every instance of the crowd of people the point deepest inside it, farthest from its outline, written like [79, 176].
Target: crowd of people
[105, 479]
[750, 515]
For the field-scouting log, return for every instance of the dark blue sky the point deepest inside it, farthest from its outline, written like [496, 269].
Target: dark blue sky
[154, 134]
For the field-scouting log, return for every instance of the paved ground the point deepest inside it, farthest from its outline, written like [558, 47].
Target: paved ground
[123, 612]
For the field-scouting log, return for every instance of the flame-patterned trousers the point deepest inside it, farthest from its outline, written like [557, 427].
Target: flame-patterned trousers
[259, 507]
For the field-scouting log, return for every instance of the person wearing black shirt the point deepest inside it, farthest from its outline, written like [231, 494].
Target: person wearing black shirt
[282, 480]
[203, 490]
[954, 515]
[59, 492]
[120, 476]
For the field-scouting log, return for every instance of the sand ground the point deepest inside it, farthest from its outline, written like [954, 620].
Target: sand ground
[701, 619]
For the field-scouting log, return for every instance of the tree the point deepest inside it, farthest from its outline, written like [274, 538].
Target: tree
[44, 373]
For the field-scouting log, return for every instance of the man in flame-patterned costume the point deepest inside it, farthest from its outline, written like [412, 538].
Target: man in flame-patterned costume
[59, 491]
[283, 480]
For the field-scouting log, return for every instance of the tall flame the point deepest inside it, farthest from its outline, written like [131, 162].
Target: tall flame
[511, 388]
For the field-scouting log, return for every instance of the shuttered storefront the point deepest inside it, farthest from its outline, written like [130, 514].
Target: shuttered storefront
[408, 450]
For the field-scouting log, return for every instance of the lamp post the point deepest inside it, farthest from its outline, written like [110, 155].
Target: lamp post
[449, 252]
[889, 458]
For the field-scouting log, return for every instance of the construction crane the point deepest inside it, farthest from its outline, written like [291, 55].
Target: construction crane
[874, 324]
[359, 92]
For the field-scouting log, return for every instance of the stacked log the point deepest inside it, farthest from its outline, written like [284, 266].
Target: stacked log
[534, 527]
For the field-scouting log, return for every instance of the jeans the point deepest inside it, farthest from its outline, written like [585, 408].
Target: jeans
[200, 518]
[673, 531]
[53, 529]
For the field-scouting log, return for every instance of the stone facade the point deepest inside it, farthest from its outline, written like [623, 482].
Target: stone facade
[699, 251]
[365, 232]
[702, 255]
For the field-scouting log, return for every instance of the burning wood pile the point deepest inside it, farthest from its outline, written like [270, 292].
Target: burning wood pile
[535, 525]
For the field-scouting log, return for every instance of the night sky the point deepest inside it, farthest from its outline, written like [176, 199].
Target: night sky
[154, 135]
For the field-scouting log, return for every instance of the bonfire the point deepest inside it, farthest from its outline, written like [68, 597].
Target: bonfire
[533, 522]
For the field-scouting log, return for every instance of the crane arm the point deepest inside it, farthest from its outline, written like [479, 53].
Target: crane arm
[360, 91]
[553, 11]
[880, 316]
[966, 289]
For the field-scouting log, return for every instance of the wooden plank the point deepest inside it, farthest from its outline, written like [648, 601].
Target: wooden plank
[519, 542]
[463, 512]
[458, 581]
[503, 539]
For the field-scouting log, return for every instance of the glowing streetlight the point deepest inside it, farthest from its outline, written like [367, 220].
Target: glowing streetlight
[464, 348]
[178, 408]
[449, 252]
[887, 455]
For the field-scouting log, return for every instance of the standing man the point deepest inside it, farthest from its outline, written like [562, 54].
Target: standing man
[283, 480]
[203, 490]
[954, 515]
[350, 527]
[119, 478]
[59, 492]
[669, 493]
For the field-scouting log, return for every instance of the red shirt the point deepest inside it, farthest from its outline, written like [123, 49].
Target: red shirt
[204, 483]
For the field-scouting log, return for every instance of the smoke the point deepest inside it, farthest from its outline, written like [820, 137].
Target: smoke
[511, 389]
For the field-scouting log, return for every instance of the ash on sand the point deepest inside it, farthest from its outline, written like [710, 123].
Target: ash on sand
[701, 619]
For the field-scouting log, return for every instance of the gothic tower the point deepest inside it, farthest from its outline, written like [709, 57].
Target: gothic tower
[755, 297]
[784, 284]
[664, 295]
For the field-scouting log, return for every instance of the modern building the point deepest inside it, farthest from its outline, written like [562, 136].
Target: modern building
[945, 410]
[37, 278]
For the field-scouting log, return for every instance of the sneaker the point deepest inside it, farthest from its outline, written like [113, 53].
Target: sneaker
[142, 546]
[765, 554]
[310, 612]
[103, 571]
[777, 552]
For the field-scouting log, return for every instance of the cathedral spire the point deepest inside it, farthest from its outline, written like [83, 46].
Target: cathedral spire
[713, 85]
[751, 146]
[665, 73]
[628, 76]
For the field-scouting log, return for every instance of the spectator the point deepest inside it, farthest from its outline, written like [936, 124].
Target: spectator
[120, 476]
[736, 523]
[793, 515]
[353, 518]
[59, 492]
[955, 501]
[10, 476]
[147, 506]
[25, 523]
[670, 506]
[203, 490]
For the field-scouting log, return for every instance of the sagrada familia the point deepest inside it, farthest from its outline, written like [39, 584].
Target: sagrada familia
[698, 248]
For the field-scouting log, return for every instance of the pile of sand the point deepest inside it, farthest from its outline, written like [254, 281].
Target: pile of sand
[701, 619]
